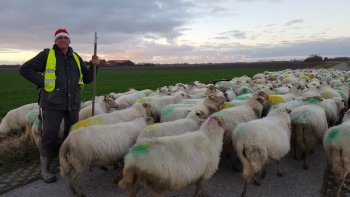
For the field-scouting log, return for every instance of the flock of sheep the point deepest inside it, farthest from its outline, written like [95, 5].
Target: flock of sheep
[170, 138]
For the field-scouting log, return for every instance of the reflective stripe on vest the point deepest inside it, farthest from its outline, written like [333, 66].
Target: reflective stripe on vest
[50, 71]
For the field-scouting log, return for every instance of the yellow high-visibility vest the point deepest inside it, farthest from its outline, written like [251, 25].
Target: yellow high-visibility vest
[50, 75]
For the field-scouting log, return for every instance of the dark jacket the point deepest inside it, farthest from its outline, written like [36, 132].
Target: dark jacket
[66, 94]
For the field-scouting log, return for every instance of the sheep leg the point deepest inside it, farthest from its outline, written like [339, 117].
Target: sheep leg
[279, 172]
[199, 192]
[294, 145]
[305, 165]
[244, 192]
[133, 190]
[305, 152]
[76, 185]
[256, 181]
[235, 163]
[263, 174]
[119, 175]
[340, 184]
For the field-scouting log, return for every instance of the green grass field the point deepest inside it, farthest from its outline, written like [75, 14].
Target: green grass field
[16, 91]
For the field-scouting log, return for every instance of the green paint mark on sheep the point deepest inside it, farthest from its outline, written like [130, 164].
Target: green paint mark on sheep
[37, 123]
[333, 135]
[221, 115]
[32, 115]
[313, 100]
[300, 118]
[140, 149]
[341, 93]
[246, 90]
[243, 128]
[167, 111]
[241, 97]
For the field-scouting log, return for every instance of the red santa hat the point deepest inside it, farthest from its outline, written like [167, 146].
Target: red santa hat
[61, 32]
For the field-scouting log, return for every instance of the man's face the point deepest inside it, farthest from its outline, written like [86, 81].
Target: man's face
[62, 42]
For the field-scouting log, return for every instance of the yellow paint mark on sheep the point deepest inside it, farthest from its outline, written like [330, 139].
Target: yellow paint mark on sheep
[226, 105]
[151, 127]
[275, 99]
[326, 95]
[304, 77]
[285, 79]
[86, 122]
[140, 100]
[311, 75]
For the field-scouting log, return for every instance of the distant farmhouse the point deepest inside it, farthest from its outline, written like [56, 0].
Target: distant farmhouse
[120, 63]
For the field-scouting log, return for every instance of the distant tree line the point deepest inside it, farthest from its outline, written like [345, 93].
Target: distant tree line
[318, 58]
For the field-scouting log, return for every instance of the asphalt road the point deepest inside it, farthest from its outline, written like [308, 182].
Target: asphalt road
[225, 182]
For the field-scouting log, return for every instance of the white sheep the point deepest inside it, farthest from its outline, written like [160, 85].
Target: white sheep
[15, 119]
[260, 141]
[158, 103]
[192, 122]
[251, 110]
[35, 133]
[127, 114]
[101, 107]
[117, 95]
[337, 149]
[131, 98]
[209, 105]
[99, 145]
[309, 122]
[173, 162]
[175, 111]
[31, 117]
[333, 108]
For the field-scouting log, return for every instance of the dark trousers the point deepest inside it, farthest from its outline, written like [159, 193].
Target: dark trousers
[51, 126]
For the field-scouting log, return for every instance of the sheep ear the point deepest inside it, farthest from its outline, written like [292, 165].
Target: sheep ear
[260, 100]
[220, 122]
[261, 93]
[149, 120]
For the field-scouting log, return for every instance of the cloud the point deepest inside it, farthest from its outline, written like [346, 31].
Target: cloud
[31, 24]
[236, 34]
[235, 52]
[293, 22]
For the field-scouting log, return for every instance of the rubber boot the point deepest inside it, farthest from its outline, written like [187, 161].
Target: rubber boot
[46, 174]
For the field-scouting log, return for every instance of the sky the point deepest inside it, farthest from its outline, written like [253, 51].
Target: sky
[178, 31]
